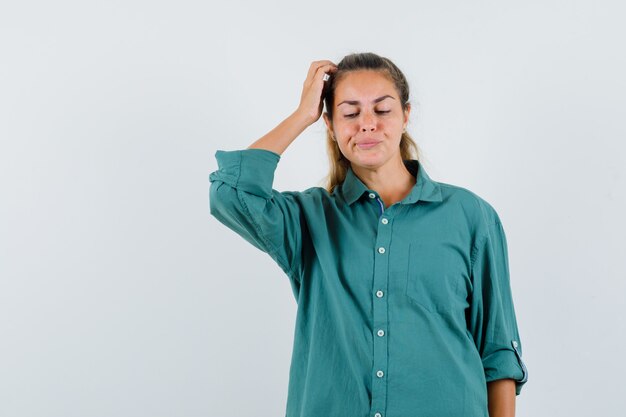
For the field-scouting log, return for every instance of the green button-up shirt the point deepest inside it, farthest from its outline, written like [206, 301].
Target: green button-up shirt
[402, 311]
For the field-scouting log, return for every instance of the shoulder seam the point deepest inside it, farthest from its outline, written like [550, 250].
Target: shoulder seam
[475, 248]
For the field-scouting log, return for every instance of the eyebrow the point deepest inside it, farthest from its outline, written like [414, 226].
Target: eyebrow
[353, 102]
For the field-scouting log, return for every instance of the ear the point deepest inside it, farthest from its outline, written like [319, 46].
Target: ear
[407, 113]
[329, 123]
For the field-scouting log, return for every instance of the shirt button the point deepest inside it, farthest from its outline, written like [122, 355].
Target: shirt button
[381, 250]
[379, 374]
[381, 332]
[385, 221]
[514, 343]
[372, 195]
[379, 293]
[378, 415]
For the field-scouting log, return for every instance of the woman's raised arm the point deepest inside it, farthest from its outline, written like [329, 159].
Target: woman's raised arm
[307, 113]
[241, 194]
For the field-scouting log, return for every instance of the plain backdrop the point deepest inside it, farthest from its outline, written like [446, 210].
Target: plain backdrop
[121, 296]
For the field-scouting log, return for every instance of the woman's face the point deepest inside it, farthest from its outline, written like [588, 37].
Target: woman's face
[368, 119]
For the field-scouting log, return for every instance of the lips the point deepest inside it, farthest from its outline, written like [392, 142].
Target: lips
[367, 144]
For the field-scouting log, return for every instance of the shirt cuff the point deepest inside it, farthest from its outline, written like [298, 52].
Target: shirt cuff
[506, 364]
[249, 170]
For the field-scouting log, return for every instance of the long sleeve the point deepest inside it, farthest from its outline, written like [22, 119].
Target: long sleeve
[241, 197]
[491, 318]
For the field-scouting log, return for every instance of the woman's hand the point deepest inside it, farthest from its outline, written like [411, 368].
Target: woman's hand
[311, 103]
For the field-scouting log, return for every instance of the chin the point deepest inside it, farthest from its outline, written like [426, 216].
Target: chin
[369, 161]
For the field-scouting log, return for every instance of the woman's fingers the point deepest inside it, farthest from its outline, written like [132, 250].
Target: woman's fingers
[315, 68]
[326, 69]
[315, 65]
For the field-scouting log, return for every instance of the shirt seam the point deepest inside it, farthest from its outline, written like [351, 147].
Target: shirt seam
[476, 246]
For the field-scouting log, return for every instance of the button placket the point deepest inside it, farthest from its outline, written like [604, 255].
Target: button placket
[380, 309]
[382, 205]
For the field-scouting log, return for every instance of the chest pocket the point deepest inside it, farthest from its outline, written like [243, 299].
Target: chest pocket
[435, 277]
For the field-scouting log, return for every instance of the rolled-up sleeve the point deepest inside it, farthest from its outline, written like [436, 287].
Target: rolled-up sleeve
[491, 318]
[241, 197]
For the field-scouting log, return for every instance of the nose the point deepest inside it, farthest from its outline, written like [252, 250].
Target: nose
[368, 122]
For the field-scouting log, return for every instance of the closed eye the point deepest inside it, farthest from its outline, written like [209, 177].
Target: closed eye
[351, 115]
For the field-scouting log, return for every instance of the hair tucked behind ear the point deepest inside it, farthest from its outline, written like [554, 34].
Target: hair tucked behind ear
[353, 62]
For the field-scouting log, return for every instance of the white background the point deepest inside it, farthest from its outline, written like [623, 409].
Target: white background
[121, 296]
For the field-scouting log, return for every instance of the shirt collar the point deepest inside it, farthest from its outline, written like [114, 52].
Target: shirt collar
[424, 189]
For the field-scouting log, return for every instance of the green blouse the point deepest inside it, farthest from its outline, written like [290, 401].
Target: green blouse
[402, 311]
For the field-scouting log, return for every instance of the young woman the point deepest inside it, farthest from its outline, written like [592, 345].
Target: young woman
[402, 282]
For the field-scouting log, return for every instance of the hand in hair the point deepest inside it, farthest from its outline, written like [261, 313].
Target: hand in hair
[311, 102]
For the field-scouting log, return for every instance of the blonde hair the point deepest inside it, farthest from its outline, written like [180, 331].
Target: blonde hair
[353, 62]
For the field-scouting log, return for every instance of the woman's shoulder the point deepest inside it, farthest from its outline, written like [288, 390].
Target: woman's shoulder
[317, 200]
[470, 201]
[311, 194]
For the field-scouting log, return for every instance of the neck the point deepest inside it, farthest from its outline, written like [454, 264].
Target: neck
[392, 180]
